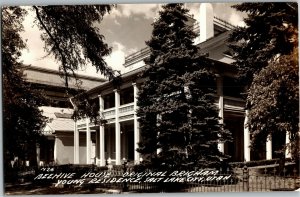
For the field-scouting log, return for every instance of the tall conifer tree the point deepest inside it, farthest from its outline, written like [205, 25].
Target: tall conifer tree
[179, 121]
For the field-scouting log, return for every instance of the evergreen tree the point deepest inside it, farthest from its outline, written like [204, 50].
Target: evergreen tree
[265, 52]
[179, 121]
[269, 32]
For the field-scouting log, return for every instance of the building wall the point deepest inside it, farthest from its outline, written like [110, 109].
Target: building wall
[82, 149]
[64, 149]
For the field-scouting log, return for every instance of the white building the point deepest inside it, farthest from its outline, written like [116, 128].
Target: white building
[118, 139]
[59, 129]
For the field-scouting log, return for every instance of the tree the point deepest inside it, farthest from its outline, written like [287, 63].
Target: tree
[269, 33]
[265, 53]
[70, 35]
[273, 96]
[22, 120]
[179, 122]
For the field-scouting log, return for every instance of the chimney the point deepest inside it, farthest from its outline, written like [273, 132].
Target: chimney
[206, 21]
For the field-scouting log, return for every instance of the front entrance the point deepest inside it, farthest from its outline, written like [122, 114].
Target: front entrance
[127, 140]
[235, 149]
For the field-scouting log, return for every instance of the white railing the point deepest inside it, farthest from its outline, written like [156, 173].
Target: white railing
[123, 110]
[126, 108]
[109, 113]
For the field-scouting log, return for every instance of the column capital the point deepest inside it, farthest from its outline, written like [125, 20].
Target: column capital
[100, 95]
[116, 90]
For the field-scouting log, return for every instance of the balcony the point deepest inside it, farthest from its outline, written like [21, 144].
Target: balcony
[219, 25]
[124, 110]
[109, 113]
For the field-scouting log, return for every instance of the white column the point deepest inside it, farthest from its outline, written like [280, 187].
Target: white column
[117, 128]
[101, 136]
[246, 138]
[269, 147]
[88, 142]
[221, 107]
[76, 144]
[109, 144]
[136, 125]
[288, 145]
[55, 150]
[97, 149]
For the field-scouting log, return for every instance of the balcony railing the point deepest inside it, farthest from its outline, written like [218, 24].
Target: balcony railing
[141, 54]
[145, 52]
[123, 110]
[223, 23]
[108, 113]
[126, 111]
[126, 108]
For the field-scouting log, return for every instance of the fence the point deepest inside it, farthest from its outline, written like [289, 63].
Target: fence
[234, 180]
[241, 180]
[253, 180]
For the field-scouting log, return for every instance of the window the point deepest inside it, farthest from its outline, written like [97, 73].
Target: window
[126, 96]
[109, 101]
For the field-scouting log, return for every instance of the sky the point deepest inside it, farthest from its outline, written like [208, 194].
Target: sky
[125, 29]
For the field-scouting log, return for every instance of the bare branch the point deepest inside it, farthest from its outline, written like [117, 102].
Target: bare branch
[56, 44]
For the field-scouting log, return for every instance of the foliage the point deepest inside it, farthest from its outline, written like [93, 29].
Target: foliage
[179, 124]
[269, 32]
[70, 35]
[274, 100]
[86, 107]
[266, 56]
[22, 120]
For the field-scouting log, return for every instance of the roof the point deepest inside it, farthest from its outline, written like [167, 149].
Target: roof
[215, 46]
[59, 119]
[220, 27]
[39, 75]
[63, 115]
[56, 125]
